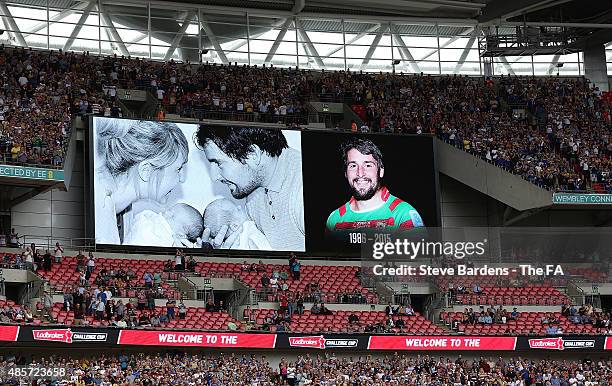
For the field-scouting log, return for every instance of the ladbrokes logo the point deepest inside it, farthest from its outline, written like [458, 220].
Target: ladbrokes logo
[63, 335]
[308, 341]
[559, 343]
[66, 335]
[320, 342]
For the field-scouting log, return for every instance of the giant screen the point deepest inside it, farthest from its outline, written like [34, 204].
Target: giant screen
[179, 185]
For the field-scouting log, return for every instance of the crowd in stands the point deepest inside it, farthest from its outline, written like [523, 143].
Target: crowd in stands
[561, 141]
[35, 103]
[550, 323]
[249, 369]
[586, 314]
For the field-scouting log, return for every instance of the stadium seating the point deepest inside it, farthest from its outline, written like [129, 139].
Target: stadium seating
[66, 274]
[514, 296]
[337, 279]
[196, 318]
[528, 323]
[338, 322]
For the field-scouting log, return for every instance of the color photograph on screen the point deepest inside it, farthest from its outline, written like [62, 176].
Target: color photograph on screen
[361, 186]
[164, 184]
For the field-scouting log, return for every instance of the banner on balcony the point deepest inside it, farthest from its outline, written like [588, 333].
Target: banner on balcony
[195, 338]
[582, 199]
[442, 343]
[30, 173]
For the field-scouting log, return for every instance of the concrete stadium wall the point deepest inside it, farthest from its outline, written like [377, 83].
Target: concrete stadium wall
[54, 215]
[462, 206]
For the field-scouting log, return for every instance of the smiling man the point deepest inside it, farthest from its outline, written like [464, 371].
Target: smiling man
[372, 206]
[258, 165]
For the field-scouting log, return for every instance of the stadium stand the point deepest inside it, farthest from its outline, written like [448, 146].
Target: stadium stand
[528, 323]
[566, 148]
[125, 282]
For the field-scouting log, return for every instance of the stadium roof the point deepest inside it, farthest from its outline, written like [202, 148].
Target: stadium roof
[186, 28]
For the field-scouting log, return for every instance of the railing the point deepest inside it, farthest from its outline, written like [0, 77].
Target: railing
[241, 296]
[187, 287]
[271, 295]
[32, 290]
[7, 159]
[202, 113]
[48, 242]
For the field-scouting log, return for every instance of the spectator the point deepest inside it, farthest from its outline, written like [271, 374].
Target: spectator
[59, 253]
[14, 238]
[157, 279]
[182, 311]
[178, 260]
[47, 303]
[47, 261]
[389, 310]
[265, 281]
[91, 265]
[148, 279]
[295, 269]
[514, 314]
[210, 306]
[247, 314]
[299, 304]
[80, 261]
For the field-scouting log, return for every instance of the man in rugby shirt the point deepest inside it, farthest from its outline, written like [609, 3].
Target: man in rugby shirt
[372, 207]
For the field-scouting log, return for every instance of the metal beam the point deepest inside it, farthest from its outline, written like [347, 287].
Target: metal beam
[553, 64]
[559, 24]
[373, 46]
[500, 9]
[507, 65]
[8, 19]
[112, 31]
[32, 193]
[136, 39]
[278, 40]
[310, 47]
[243, 42]
[213, 39]
[450, 41]
[78, 26]
[179, 35]
[240, 11]
[466, 51]
[298, 6]
[353, 40]
[56, 18]
[534, 8]
[406, 55]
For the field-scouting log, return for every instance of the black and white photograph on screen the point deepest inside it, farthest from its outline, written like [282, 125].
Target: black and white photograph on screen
[169, 184]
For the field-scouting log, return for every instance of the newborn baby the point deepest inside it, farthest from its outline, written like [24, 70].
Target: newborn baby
[177, 226]
[224, 212]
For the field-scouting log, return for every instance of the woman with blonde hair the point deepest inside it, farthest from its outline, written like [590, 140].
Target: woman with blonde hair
[140, 161]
